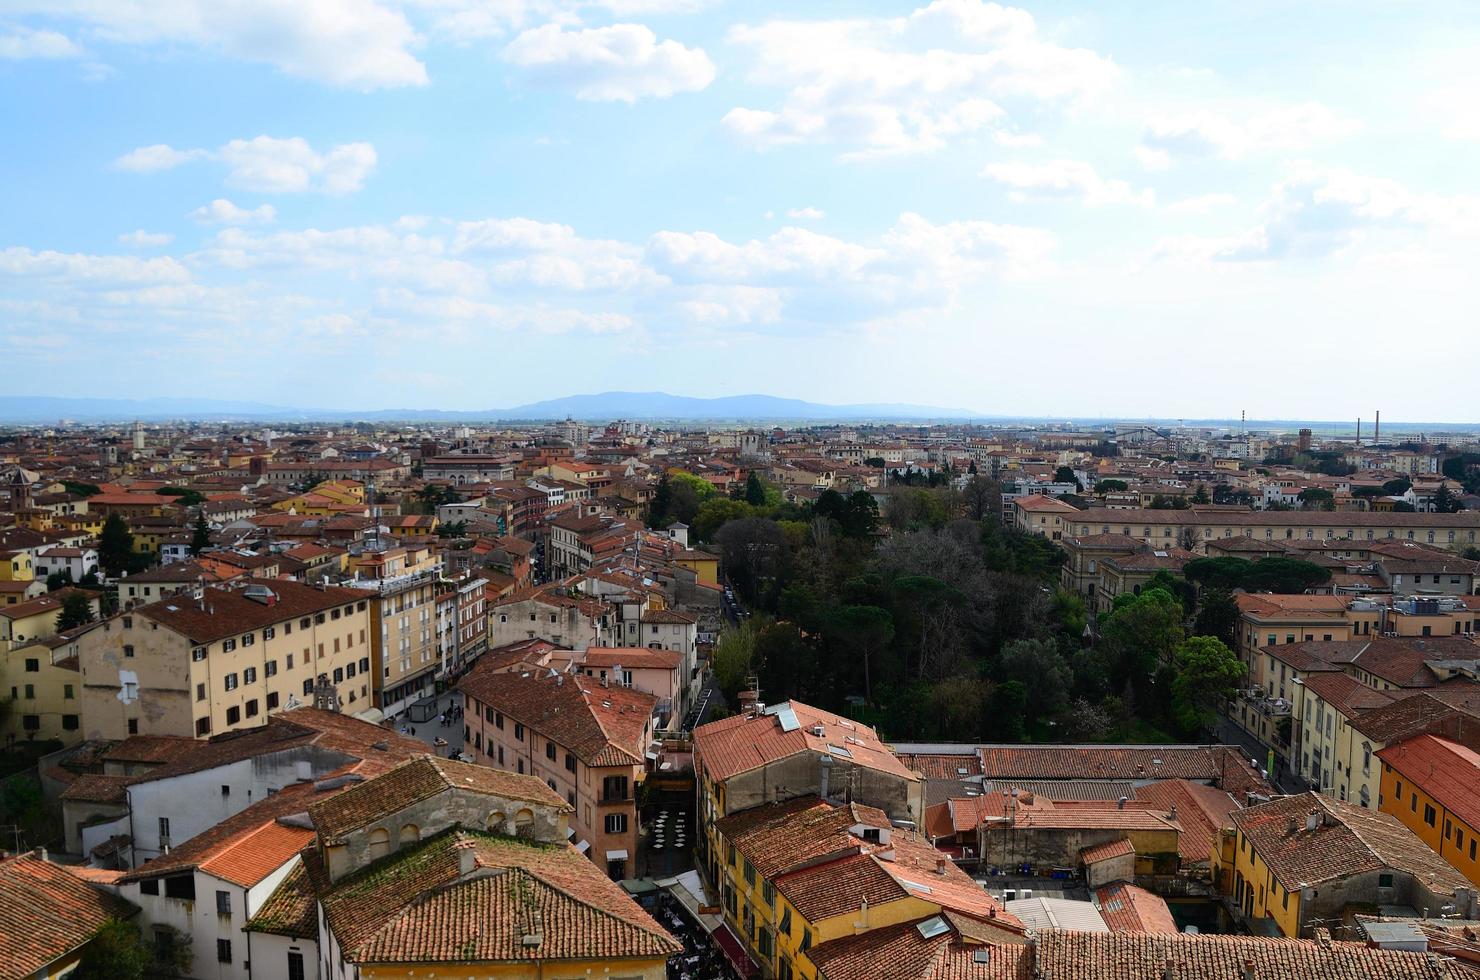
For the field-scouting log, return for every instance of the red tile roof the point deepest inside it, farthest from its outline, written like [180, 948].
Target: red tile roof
[417, 780]
[1060, 955]
[415, 907]
[1446, 771]
[227, 612]
[1128, 908]
[1106, 851]
[47, 912]
[903, 952]
[741, 743]
[1347, 840]
[603, 726]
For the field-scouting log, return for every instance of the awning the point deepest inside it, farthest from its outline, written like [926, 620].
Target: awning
[373, 715]
[734, 951]
[569, 832]
[616, 855]
[583, 846]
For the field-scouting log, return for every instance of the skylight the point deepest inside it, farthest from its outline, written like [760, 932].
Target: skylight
[933, 927]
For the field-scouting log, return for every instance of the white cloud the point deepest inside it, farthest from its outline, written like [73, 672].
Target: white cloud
[267, 164]
[806, 214]
[1317, 211]
[89, 269]
[153, 159]
[277, 166]
[545, 254]
[1213, 133]
[23, 43]
[890, 85]
[146, 239]
[1071, 179]
[1200, 204]
[620, 63]
[1017, 141]
[223, 212]
[359, 44]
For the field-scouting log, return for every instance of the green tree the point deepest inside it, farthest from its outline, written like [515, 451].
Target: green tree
[200, 535]
[185, 497]
[76, 610]
[1111, 486]
[1043, 672]
[1208, 674]
[1217, 615]
[1398, 487]
[1316, 498]
[661, 504]
[755, 490]
[1445, 502]
[116, 546]
[117, 952]
[733, 659]
[1007, 711]
[59, 580]
[868, 630]
[1200, 495]
[1065, 474]
[1141, 633]
[717, 512]
[81, 489]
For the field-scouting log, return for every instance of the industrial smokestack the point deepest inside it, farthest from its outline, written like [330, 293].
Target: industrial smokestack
[1377, 429]
[1359, 433]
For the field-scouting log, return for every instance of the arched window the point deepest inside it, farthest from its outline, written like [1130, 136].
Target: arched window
[380, 842]
[496, 821]
[410, 833]
[524, 823]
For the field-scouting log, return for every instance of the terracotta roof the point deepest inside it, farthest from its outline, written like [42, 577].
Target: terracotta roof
[413, 907]
[92, 787]
[228, 843]
[376, 748]
[1128, 908]
[228, 612]
[416, 780]
[1448, 772]
[1106, 851]
[251, 857]
[941, 765]
[902, 951]
[1201, 812]
[631, 658]
[1347, 694]
[1060, 955]
[1221, 764]
[1425, 711]
[741, 743]
[603, 726]
[46, 912]
[1347, 840]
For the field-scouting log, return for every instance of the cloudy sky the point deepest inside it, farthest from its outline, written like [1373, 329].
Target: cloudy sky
[1138, 208]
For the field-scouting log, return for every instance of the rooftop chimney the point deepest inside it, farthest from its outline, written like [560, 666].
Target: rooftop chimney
[1312, 820]
[1249, 970]
[1169, 972]
[467, 859]
[940, 866]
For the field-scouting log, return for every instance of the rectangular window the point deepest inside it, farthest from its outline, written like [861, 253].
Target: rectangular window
[32, 665]
[272, 700]
[223, 903]
[249, 675]
[269, 669]
[233, 715]
[518, 732]
[295, 966]
[616, 823]
[227, 646]
[1385, 881]
[223, 951]
[180, 886]
[570, 762]
[128, 650]
[230, 682]
[550, 750]
[200, 692]
[202, 727]
[70, 723]
[1430, 815]
[252, 708]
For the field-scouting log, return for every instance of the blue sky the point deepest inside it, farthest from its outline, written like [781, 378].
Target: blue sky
[1061, 208]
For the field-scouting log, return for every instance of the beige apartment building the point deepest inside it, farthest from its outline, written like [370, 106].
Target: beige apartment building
[585, 738]
[224, 658]
[406, 654]
[1198, 525]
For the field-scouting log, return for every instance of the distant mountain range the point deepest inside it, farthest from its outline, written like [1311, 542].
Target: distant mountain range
[599, 407]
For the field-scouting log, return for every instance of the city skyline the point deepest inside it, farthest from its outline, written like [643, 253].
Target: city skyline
[453, 203]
